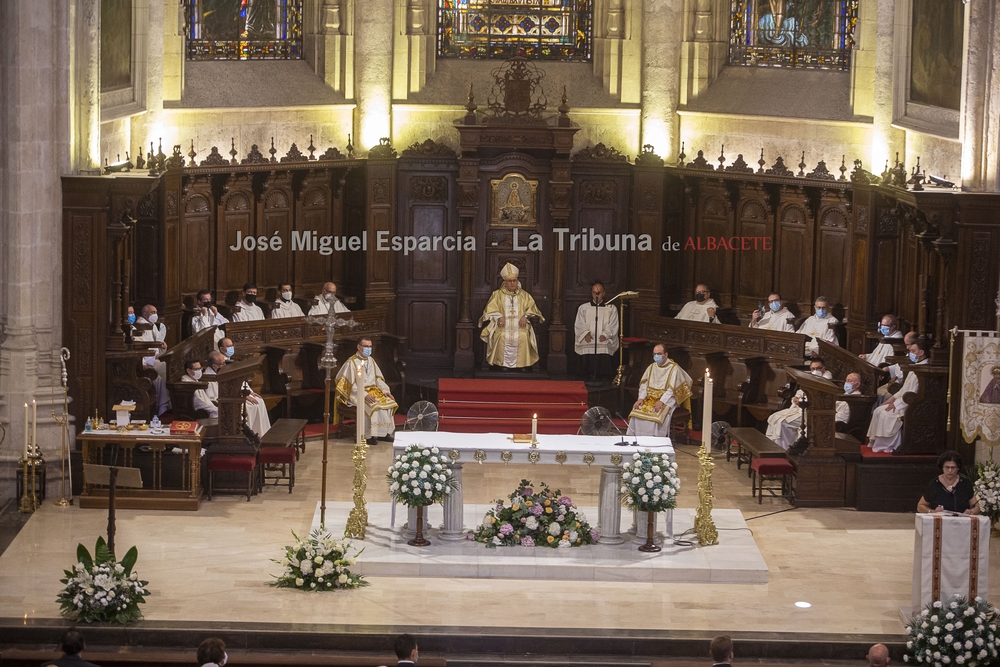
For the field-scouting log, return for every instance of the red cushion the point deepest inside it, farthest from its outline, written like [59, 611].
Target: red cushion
[867, 453]
[276, 455]
[232, 463]
[771, 466]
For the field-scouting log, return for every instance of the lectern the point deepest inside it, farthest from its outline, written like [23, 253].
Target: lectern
[950, 557]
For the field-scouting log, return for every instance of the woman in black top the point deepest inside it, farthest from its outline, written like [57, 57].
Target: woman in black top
[948, 492]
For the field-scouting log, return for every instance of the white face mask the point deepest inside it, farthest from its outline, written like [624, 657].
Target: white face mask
[287, 296]
[818, 373]
[225, 659]
[197, 374]
[152, 318]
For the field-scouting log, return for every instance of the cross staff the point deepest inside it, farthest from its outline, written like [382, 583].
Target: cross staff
[328, 362]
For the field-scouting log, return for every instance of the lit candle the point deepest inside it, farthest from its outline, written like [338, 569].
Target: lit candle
[359, 425]
[706, 414]
[34, 425]
[25, 430]
[534, 428]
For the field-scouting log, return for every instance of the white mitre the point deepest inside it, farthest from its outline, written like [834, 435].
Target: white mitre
[509, 271]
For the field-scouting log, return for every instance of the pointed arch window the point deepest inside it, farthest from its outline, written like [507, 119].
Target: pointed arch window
[502, 29]
[244, 29]
[813, 34]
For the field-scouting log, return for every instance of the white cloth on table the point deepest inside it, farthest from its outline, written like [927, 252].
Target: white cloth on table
[597, 321]
[322, 309]
[247, 312]
[775, 320]
[882, 350]
[697, 312]
[962, 545]
[885, 432]
[379, 421]
[286, 309]
[819, 328]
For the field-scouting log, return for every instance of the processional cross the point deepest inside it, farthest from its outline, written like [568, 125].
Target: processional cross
[331, 321]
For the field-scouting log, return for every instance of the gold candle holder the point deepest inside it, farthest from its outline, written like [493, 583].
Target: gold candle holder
[704, 526]
[357, 521]
[31, 467]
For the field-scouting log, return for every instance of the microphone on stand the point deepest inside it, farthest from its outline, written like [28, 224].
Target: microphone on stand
[623, 295]
[635, 439]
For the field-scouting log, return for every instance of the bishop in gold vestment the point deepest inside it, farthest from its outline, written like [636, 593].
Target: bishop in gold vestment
[663, 387]
[510, 340]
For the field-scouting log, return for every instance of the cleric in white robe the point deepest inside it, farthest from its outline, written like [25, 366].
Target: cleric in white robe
[885, 434]
[702, 309]
[200, 400]
[284, 306]
[326, 297]
[662, 388]
[509, 336]
[379, 402]
[596, 331]
[852, 387]
[887, 329]
[775, 318]
[783, 425]
[247, 309]
[156, 331]
[207, 315]
[819, 326]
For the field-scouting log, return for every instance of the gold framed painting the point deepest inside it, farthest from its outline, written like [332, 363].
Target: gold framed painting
[512, 203]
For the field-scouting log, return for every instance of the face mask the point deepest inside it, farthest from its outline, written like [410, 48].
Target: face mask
[250, 298]
[699, 296]
[230, 351]
[884, 330]
[821, 313]
[197, 374]
[287, 296]
[206, 304]
[658, 358]
[775, 306]
[366, 351]
[131, 318]
[848, 387]
[152, 318]
[818, 373]
[913, 357]
[225, 659]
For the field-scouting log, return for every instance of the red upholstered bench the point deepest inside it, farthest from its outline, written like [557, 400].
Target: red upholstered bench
[232, 463]
[763, 470]
[275, 456]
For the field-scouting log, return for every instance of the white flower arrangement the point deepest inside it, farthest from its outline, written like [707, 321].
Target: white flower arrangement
[958, 632]
[419, 477]
[649, 482]
[987, 488]
[101, 589]
[318, 564]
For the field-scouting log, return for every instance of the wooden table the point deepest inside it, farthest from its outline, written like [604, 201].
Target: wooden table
[751, 443]
[153, 495]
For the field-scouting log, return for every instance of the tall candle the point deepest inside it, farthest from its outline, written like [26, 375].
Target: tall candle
[34, 425]
[359, 425]
[534, 428]
[25, 430]
[706, 414]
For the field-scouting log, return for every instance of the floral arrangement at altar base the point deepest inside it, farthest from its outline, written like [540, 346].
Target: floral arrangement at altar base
[649, 482]
[958, 632]
[101, 589]
[543, 519]
[419, 477]
[987, 488]
[319, 563]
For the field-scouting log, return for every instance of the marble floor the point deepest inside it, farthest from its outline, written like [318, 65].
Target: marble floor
[214, 565]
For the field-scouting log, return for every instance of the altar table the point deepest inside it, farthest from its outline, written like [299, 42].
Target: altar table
[950, 557]
[155, 494]
[606, 452]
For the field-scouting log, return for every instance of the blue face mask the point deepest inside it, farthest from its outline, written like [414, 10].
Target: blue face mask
[367, 351]
[884, 330]
[821, 313]
[775, 306]
[230, 351]
[913, 357]
[848, 387]
[658, 358]
[131, 318]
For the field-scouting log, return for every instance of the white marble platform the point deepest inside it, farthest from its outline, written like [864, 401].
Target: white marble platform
[735, 560]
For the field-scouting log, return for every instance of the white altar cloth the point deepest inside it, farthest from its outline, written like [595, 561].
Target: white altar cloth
[950, 556]
[606, 452]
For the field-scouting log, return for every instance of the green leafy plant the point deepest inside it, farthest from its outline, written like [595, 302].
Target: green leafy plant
[101, 589]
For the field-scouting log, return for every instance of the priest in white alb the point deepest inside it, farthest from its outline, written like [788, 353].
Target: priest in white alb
[596, 332]
[379, 402]
[783, 425]
[885, 433]
[509, 337]
[818, 326]
[702, 309]
[887, 328]
[662, 388]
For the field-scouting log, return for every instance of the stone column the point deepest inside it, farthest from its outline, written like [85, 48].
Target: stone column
[979, 123]
[661, 35]
[452, 529]
[85, 84]
[151, 19]
[609, 507]
[35, 128]
[886, 140]
[373, 71]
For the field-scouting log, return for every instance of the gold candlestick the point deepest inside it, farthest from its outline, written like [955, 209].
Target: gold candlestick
[703, 524]
[357, 521]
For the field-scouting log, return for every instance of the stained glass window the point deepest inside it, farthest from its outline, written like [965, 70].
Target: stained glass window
[816, 34]
[244, 29]
[501, 29]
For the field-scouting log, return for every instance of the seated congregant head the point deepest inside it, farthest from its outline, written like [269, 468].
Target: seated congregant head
[72, 642]
[193, 369]
[216, 360]
[878, 655]
[204, 299]
[250, 293]
[149, 313]
[920, 350]
[212, 651]
[817, 366]
[365, 347]
[888, 324]
[226, 347]
[852, 382]
[285, 291]
[821, 304]
[405, 647]
[721, 649]
[702, 293]
[774, 301]
[910, 338]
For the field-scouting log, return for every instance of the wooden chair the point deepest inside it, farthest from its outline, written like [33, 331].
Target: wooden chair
[770, 470]
[246, 463]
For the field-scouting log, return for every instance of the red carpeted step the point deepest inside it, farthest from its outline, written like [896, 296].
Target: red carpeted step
[507, 406]
[500, 425]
